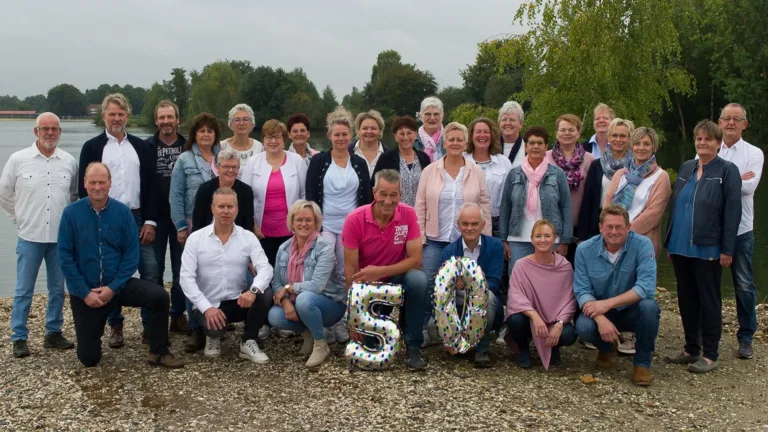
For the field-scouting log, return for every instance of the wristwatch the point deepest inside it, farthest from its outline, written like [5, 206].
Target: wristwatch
[287, 288]
[254, 290]
[561, 322]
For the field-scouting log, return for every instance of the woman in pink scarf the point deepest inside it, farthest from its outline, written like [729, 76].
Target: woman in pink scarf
[430, 134]
[540, 302]
[308, 296]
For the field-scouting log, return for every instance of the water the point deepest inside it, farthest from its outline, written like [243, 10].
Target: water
[15, 135]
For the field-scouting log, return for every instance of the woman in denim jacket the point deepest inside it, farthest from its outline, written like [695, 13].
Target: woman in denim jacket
[194, 167]
[535, 190]
[309, 295]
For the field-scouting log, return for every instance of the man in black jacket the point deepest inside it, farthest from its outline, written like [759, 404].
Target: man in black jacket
[132, 164]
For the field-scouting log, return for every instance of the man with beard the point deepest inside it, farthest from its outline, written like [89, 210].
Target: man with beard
[132, 164]
[37, 183]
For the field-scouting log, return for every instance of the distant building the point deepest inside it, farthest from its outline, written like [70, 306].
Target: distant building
[93, 109]
[18, 114]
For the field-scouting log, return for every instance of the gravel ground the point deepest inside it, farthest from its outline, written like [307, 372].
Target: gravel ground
[50, 390]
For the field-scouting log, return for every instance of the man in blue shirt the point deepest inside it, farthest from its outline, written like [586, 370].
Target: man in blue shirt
[99, 253]
[615, 285]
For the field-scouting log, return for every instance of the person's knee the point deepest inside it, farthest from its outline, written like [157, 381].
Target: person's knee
[276, 317]
[516, 322]
[415, 282]
[648, 309]
[305, 302]
[568, 336]
[585, 327]
[264, 300]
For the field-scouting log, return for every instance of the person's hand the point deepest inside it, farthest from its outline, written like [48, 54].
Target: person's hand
[459, 284]
[669, 257]
[251, 269]
[507, 251]
[540, 327]
[749, 175]
[596, 307]
[215, 319]
[562, 249]
[245, 299]
[608, 331]
[278, 298]
[554, 335]
[369, 274]
[181, 236]
[257, 231]
[725, 260]
[147, 234]
[105, 293]
[290, 311]
[92, 300]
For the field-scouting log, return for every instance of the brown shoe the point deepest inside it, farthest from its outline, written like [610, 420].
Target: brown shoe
[116, 337]
[180, 325]
[604, 361]
[642, 376]
[165, 360]
[195, 341]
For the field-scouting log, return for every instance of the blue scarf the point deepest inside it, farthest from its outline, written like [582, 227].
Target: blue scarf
[634, 176]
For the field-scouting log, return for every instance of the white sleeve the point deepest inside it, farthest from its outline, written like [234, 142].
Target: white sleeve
[188, 275]
[8, 188]
[264, 271]
[755, 164]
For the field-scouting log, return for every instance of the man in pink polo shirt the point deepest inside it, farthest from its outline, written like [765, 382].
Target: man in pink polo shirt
[382, 242]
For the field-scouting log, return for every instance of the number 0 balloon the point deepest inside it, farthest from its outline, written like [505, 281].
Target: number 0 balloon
[361, 318]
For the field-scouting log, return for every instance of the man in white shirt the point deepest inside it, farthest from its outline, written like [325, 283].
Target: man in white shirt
[133, 165]
[213, 277]
[36, 184]
[749, 160]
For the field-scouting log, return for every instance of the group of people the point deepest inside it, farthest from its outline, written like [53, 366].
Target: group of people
[567, 235]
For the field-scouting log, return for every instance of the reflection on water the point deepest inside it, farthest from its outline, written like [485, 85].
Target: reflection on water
[15, 135]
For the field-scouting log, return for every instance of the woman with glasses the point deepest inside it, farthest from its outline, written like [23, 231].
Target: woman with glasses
[430, 134]
[241, 122]
[277, 179]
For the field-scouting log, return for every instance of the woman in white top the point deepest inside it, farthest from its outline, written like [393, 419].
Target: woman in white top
[511, 119]
[484, 149]
[370, 128]
[241, 122]
[277, 179]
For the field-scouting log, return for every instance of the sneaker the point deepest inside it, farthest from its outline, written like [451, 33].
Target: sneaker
[167, 360]
[213, 347]
[745, 350]
[250, 350]
[702, 366]
[500, 339]
[627, 346]
[116, 337]
[482, 360]
[263, 333]
[413, 357]
[432, 330]
[284, 334]
[180, 325]
[20, 349]
[588, 345]
[195, 341]
[330, 335]
[57, 341]
[340, 332]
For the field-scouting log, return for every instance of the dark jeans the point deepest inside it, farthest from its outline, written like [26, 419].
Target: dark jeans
[519, 327]
[414, 284]
[701, 303]
[254, 316]
[165, 235]
[89, 322]
[270, 246]
[642, 318]
[744, 286]
[504, 285]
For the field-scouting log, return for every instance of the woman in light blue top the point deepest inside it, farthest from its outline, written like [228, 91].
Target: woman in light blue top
[308, 294]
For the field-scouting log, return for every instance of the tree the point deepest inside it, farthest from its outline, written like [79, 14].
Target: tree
[354, 101]
[328, 100]
[37, 103]
[401, 89]
[467, 112]
[452, 97]
[488, 64]
[66, 100]
[214, 90]
[500, 89]
[9, 102]
[178, 89]
[155, 94]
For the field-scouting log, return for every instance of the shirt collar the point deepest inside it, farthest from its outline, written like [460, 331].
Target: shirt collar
[209, 230]
[357, 147]
[466, 248]
[110, 137]
[36, 151]
[371, 219]
[602, 251]
[736, 147]
[91, 205]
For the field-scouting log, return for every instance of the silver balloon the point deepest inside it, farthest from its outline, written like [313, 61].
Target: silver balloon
[362, 319]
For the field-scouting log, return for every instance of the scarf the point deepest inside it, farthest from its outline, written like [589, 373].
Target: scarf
[634, 176]
[534, 180]
[611, 165]
[431, 147]
[571, 167]
[295, 271]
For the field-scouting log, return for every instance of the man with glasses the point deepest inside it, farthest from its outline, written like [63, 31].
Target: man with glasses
[749, 160]
[37, 183]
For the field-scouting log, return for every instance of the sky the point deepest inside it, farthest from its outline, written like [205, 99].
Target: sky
[88, 43]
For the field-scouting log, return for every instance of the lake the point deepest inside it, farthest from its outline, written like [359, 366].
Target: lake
[17, 134]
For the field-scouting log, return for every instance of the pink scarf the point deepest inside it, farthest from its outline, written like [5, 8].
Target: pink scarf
[534, 180]
[431, 143]
[295, 271]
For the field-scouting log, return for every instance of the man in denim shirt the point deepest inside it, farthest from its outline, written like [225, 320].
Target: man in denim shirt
[99, 253]
[615, 285]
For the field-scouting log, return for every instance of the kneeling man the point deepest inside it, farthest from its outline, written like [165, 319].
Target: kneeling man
[213, 277]
[615, 286]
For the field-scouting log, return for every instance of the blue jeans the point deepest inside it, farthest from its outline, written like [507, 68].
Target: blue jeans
[494, 315]
[518, 250]
[148, 270]
[29, 257]
[430, 264]
[165, 235]
[519, 327]
[315, 311]
[414, 284]
[744, 286]
[642, 318]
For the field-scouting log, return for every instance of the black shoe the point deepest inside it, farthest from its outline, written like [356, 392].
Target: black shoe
[482, 360]
[20, 348]
[195, 341]
[745, 350]
[554, 359]
[415, 362]
[524, 358]
[57, 341]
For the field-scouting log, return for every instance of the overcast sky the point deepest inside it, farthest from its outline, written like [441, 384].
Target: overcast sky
[87, 43]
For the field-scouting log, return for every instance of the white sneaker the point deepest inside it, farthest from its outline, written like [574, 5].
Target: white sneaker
[340, 332]
[627, 346]
[285, 333]
[427, 342]
[588, 345]
[250, 350]
[212, 347]
[330, 335]
[500, 340]
[263, 333]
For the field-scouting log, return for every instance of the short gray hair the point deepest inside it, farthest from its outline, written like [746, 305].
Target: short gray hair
[452, 126]
[431, 101]
[512, 107]
[226, 155]
[388, 175]
[302, 205]
[224, 191]
[471, 205]
[241, 107]
[118, 99]
[734, 105]
[44, 115]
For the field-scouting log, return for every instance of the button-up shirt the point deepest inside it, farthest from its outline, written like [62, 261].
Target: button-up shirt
[34, 190]
[474, 254]
[125, 167]
[371, 164]
[212, 272]
[747, 158]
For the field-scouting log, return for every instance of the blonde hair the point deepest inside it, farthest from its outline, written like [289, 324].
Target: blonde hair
[452, 126]
[302, 205]
[372, 114]
[603, 107]
[540, 223]
[621, 122]
[339, 116]
[570, 118]
[118, 99]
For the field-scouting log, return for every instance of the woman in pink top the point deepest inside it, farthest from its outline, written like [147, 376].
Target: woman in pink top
[540, 302]
[277, 179]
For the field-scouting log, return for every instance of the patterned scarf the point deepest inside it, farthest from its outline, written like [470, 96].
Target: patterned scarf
[634, 176]
[611, 165]
[295, 271]
[433, 149]
[571, 167]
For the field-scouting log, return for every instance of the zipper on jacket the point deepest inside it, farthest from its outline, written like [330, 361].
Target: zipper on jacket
[693, 203]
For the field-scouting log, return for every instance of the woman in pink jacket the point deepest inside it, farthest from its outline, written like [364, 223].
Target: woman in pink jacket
[445, 185]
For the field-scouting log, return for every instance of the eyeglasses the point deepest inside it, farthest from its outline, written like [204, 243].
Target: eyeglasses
[735, 119]
[244, 120]
[45, 129]
[622, 136]
[273, 138]
[229, 168]
[431, 115]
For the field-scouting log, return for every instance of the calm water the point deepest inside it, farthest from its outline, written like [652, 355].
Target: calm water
[15, 135]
